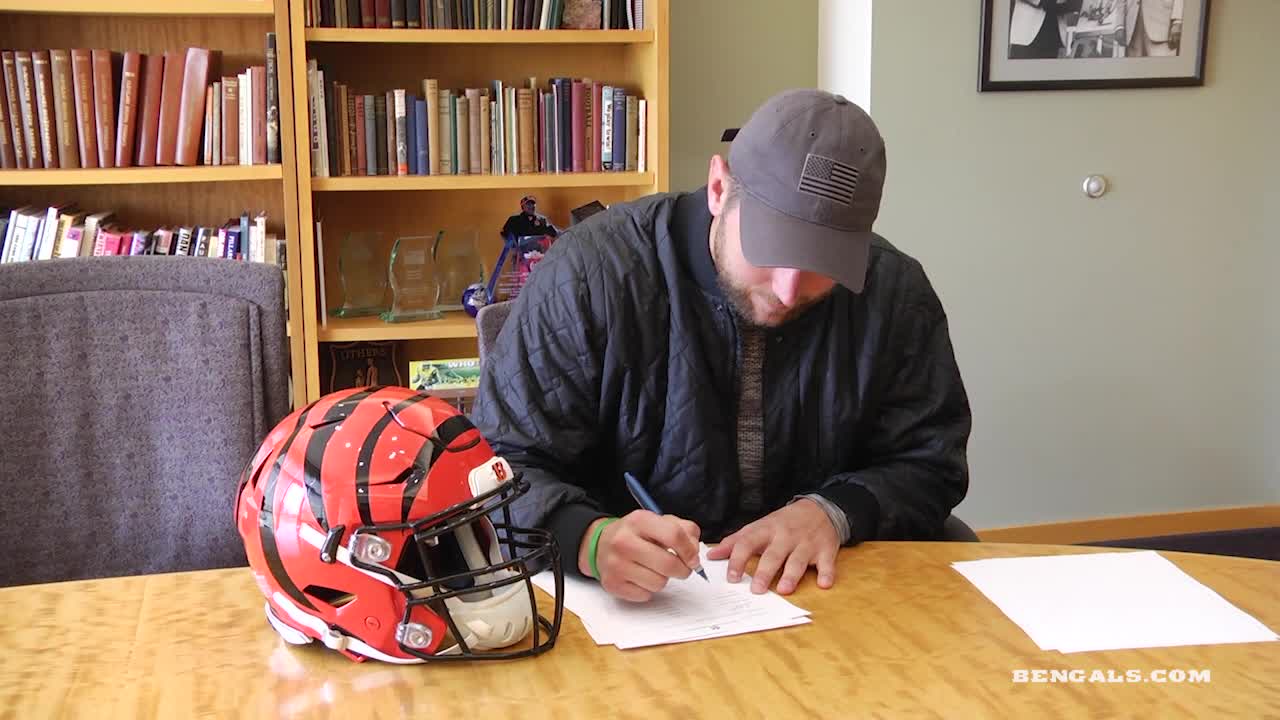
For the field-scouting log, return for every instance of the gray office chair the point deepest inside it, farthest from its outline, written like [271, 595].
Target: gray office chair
[134, 390]
[489, 323]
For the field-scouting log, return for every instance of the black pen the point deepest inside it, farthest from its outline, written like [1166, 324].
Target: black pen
[645, 501]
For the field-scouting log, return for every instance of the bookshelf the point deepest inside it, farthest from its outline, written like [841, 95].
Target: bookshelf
[376, 60]
[151, 197]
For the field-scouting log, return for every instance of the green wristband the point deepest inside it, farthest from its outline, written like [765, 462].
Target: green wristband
[593, 546]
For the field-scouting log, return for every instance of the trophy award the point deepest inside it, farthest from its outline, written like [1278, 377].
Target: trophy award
[415, 290]
[458, 266]
[362, 268]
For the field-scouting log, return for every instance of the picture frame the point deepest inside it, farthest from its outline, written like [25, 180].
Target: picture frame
[1092, 44]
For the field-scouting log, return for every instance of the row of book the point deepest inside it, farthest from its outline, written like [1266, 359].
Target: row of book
[104, 109]
[62, 231]
[573, 125]
[477, 14]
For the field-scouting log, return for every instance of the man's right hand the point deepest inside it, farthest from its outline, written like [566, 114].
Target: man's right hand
[632, 555]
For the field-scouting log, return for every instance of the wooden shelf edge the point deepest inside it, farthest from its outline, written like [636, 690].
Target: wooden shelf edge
[453, 325]
[141, 176]
[481, 37]
[263, 8]
[481, 182]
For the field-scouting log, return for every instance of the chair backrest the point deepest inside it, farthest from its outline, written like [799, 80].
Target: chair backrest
[135, 389]
[489, 321]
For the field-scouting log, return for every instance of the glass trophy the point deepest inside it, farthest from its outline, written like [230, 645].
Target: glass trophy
[362, 268]
[415, 289]
[458, 265]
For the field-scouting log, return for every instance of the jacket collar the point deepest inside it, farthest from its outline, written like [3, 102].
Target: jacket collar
[691, 231]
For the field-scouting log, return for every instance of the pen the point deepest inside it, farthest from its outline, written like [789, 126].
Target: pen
[642, 497]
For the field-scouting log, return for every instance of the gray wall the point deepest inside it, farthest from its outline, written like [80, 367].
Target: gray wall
[726, 59]
[1120, 353]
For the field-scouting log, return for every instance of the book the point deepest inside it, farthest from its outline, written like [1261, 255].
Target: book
[272, 102]
[44, 107]
[127, 114]
[14, 114]
[151, 86]
[86, 109]
[170, 104]
[64, 110]
[104, 100]
[195, 78]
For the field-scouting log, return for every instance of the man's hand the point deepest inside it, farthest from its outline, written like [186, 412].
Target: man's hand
[791, 539]
[1175, 35]
[632, 554]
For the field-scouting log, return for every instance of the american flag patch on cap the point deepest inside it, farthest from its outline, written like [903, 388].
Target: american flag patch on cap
[829, 178]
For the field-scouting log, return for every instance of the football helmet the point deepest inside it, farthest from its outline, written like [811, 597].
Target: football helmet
[377, 521]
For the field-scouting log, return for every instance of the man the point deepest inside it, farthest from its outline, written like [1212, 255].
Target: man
[780, 378]
[1037, 28]
[1152, 28]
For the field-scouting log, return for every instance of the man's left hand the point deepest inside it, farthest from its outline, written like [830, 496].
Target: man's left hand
[1175, 35]
[790, 539]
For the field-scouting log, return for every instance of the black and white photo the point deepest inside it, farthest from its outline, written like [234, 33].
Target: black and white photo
[1081, 44]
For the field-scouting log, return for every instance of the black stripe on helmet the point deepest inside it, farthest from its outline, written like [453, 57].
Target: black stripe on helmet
[266, 521]
[365, 458]
[316, 445]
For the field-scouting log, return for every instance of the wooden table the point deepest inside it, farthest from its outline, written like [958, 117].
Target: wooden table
[900, 634]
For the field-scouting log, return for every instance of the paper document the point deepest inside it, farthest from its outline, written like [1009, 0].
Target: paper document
[689, 609]
[1110, 601]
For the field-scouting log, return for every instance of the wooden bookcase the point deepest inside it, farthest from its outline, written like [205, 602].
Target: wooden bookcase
[379, 59]
[155, 196]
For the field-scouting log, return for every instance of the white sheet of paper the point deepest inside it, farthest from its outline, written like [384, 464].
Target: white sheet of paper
[689, 609]
[1110, 601]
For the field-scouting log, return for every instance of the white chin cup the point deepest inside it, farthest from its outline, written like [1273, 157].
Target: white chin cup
[503, 619]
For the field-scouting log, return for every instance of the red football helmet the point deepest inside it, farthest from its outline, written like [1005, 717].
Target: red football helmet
[366, 522]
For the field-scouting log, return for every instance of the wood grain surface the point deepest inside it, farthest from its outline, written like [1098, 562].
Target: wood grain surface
[901, 634]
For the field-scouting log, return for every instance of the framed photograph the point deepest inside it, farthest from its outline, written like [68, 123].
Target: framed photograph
[1091, 44]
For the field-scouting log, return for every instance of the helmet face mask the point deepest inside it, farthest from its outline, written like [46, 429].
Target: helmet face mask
[378, 521]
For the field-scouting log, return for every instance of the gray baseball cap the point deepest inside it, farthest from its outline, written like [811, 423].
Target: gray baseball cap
[811, 166]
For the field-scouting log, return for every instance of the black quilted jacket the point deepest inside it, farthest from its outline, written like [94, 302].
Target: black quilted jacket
[620, 355]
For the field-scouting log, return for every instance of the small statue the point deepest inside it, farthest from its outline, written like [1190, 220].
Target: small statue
[528, 221]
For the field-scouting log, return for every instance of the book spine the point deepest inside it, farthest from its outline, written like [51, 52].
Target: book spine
[354, 133]
[104, 99]
[619, 129]
[382, 16]
[170, 105]
[340, 118]
[401, 133]
[128, 112]
[606, 128]
[215, 142]
[633, 131]
[371, 135]
[462, 133]
[44, 107]
[64, 110]
[151, 85]
[413, 15]
[358, 130]
[444, 108]
[368, 14]
[578, 129]
[206, 133]
[642, 133]
[473, 131]
[380, 132]
[27, 101]
[399, 13]
[258, 78]
[431, 91]
[527, 129]
[230, 121]
[390, 134]
[485, 144]
[423, 141]
[195, 78]
[13, 105]
[411, 132]
[273, 102]
[7, 158]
